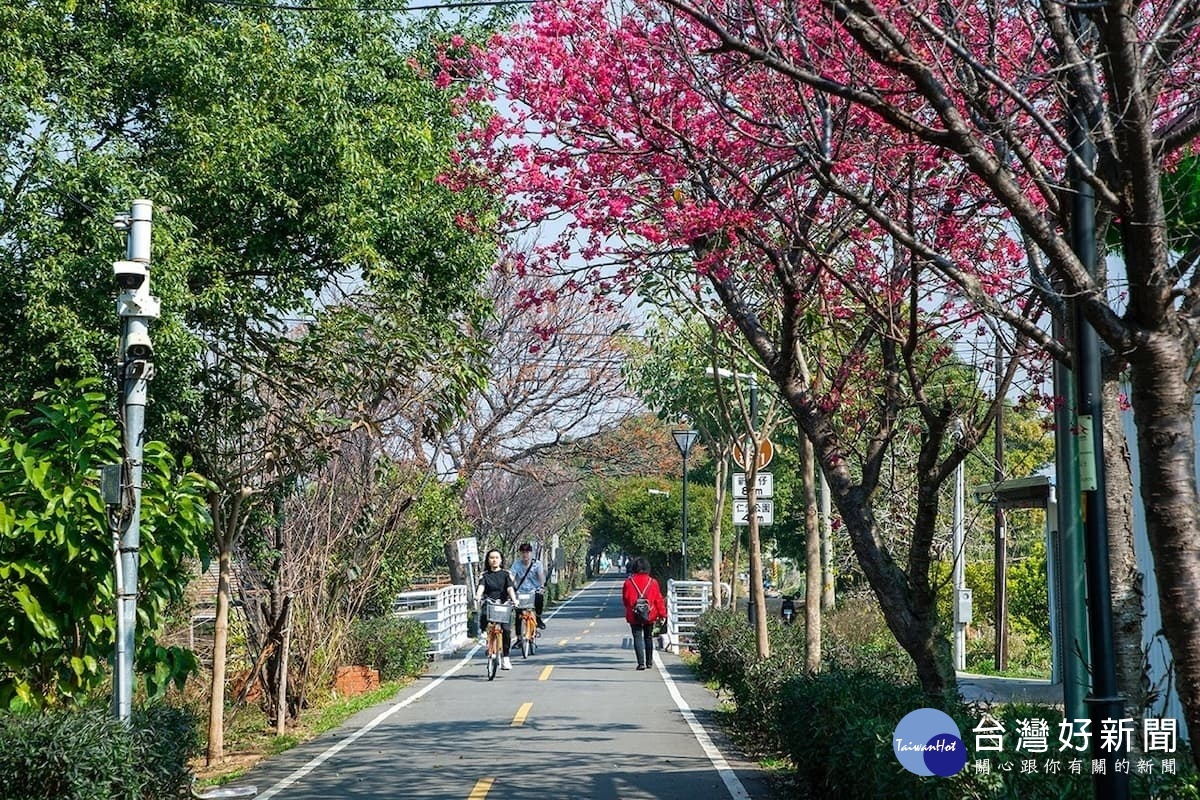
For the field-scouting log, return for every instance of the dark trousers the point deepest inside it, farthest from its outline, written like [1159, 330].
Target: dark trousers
[643, 643]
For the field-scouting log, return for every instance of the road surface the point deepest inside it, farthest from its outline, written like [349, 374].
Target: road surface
[575, 721]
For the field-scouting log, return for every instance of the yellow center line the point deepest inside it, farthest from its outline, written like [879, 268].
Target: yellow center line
[545, 676]
[522, 713]
[562, 642]
[590, 624]
[578, 638]
[482, 787]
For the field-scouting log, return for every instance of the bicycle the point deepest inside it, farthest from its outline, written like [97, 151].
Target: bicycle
[497, 614]
[526, 624]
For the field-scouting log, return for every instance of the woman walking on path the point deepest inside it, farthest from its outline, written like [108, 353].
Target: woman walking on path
[642, 616]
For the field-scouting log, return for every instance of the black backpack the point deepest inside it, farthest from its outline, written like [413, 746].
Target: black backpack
[641, 606]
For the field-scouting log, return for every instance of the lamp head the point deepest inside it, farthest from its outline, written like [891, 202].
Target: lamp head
[684, 439]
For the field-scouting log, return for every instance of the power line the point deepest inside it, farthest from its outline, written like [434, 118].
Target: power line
[397, 10]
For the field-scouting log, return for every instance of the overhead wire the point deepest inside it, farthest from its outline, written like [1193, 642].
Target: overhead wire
[391, 9]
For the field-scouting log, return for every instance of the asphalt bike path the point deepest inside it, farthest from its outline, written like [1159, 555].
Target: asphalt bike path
[576, 720]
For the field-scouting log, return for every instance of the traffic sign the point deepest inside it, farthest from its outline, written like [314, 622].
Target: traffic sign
[468, 550]
[764, 485]
[765, 509]
[766, 451]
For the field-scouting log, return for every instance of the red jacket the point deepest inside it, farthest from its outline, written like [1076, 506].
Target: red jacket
[648, 587]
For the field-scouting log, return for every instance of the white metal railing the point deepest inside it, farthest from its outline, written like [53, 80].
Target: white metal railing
[686, 601]
[443, 613]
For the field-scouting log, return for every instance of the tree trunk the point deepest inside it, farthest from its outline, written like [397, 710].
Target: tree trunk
[225, 525]
[761, 636]
[281, 704]
[1125, 577]
[813, 573]
[828, 595]
[216, 707]
[737, 557]
[1163, 411]
[913, 623]
[717, 555]
[458, 572]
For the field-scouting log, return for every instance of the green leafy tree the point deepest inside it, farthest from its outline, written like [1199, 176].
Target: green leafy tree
[56, 551]
[314, 275]
[629, 518]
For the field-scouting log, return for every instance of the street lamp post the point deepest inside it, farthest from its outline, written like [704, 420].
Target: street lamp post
[684, 439]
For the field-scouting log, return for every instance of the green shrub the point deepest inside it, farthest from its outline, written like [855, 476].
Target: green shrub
[472, 624]
[837, 729]
[56, 639]
[726, 646]
[165, 739]
[760, 689]
[89, 755]
[856, 638]
[394, 645]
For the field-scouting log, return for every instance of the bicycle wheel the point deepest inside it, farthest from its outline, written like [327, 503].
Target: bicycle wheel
[525, 643]
[495, 642]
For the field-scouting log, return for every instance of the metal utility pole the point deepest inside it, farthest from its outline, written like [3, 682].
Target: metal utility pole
[684, 439]
[1104, 701]
[136, 308]
[1073, 596]
[959, 548]
[1001, 528]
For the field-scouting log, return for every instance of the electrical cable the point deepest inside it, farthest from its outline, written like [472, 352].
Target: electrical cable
[398, 10]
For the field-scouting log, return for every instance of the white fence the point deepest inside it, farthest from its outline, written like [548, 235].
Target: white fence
[686, 600]
[442, 611]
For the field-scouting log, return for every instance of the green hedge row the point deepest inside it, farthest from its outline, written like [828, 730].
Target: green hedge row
[89, 755]
[396, 646]
[836, 727]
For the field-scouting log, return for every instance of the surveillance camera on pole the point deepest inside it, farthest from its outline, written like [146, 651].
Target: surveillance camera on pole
[136, 308]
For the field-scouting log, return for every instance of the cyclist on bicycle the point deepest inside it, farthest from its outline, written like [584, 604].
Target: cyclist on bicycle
[530, 576]
[496, 585]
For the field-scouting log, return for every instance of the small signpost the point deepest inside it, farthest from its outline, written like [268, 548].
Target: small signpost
[764, 506]
[766, 451]
[468, 550]
[765, 510]
[764, 485]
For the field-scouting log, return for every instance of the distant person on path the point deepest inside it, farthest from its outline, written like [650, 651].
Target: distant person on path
[530, 576]
[640, 585]
[496, 585]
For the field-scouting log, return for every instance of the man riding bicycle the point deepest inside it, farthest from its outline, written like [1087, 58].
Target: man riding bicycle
[530, 576]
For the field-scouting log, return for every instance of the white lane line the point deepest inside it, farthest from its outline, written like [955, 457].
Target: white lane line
[728, 776]
[571, 599]
[352, 738]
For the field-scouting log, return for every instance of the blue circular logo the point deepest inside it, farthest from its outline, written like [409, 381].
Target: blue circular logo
[928, 742]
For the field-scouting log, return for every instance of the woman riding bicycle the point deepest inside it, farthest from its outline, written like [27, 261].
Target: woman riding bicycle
[496, 586]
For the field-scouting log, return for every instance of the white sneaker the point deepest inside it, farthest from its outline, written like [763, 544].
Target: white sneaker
[505, 663]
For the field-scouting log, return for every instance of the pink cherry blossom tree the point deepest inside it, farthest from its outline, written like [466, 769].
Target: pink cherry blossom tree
[705, 173]
[1016, 95]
